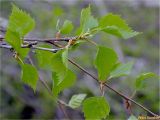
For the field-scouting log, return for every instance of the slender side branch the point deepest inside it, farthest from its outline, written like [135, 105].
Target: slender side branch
[61, 106]
[60, 102]
[6, 46]
[33, 47]
[129, 99]
[46, 49]
[85, 71]
[120, 94]
[45, 40]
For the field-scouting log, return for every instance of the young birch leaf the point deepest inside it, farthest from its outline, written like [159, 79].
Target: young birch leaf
[105, 60]
[139, 80]
[91, 23]
[115, 25]
[58, 61]
[67, 27]
[87, 21]
[121, 70]
[85, 14]
[44, 58]
[20, 23]
[76, 100]
[60, 82]
[95, 108]
[14, 40]
[132, 117]
[65, 57]
[29, 75]
[61, 73]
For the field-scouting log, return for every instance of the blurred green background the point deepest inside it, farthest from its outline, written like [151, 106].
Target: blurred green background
[18, 101]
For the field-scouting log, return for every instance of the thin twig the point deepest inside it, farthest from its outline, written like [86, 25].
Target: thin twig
[40, 78]
[46, 49]
[49, 39]
[45, 39]
[61, 106]
[127, 98]
[6, 46]
[60, 102]
[120, 94]
[105, 84]
[33, 47]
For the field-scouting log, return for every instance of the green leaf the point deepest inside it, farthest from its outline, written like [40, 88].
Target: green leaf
[29, 75]
[115, 25]
[62, 76]
[95, 108]
[65, 57]
[105, 60]
[87, 21]
[44, 58]
[76, 100]
[121, 70]
[67, 27]
[132, 117]
[58, 61]
[139, 80]
[91, 23]
[60, 82]
[14, 40]
[20, 23]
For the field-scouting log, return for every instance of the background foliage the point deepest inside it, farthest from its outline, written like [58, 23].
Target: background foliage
[19, 101]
